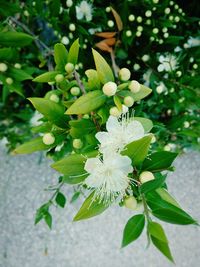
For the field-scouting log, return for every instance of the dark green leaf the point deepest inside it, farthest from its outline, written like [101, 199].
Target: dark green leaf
[60, 199]
[152, 185]
[15, 39]
[48, 219]
[133, 229]
[162, 247]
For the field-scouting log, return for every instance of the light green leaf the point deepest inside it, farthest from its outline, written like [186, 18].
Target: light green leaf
[144, 91]
[117, 102]
[60, 56]
[133, 229]
[103, 69]
[165, 195]
[46, 77]
[138, 150]
[93, 79]
[156, 230]
[87, 103]
[31, 146]
[159, 161]
[15, 39]
[19, 75]
[73, 52]
[146, 123]
[162, 247]
[90, 208]
[51, 110]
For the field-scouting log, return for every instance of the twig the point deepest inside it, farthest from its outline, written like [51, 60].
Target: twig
[80, 84]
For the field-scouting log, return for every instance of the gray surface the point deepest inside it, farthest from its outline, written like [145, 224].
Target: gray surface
[91, 243]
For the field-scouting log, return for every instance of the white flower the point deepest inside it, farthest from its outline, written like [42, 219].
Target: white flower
[119, 134]
[84, 10]
[192, 42]
[167, 63]
[146, 77]
[34, 121]
[109, 177]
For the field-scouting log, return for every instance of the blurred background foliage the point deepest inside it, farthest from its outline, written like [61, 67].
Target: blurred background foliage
[158, 41]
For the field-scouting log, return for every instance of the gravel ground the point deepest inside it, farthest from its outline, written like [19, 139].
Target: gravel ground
[91, 243]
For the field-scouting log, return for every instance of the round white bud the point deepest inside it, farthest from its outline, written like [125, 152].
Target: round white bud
[153, 140]
[148, 13]
[110, 23]
[159, 89]
[171, 17]
[186, 124]
[77, 143]
[178, 73]
[69, 3]
[131, 17]
[167, 10]
[145, 58]
[128, 101]
[124, 74]
[17, 66]
[177, 19]
[48, 139]
[72, 27]
[139, 19]
[59, 78]
[128, 33]
[155, 1]
[114, 111]
[138, 34]
[3, 67]
[69, 67]
[195, 66]
[136, 66]
[65, 40]
[166, 35]
[108, 9]
[155, 30]
[75, 90]
[167, 148]
[130, 203]
[140, 28]
[109, 88]
[146, 176]
[134, 86]
[164, 29]
[54, 98]
[148, 22]
[9, 80]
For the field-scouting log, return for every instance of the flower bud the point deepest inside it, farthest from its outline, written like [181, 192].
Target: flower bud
[146, 177]
[109, 88]
[17, 66]
[128, 101]
[111, 23]
[69, 67]
[54, 98]
[59, 78]
[124, 74]
[77, 143]
[130, 203]
[9, 80]
[48, 139]
[75, 90]
[114, 111]
[65, 40]
[3, 67]
[69, 3]
[134, 86]
[72, 27]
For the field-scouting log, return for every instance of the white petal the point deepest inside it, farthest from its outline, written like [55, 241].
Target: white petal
[118, 162]
[92, 164]
[135, 130]
[102, 137]
[112, 124]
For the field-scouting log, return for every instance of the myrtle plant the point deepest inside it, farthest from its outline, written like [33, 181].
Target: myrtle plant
[90, 125]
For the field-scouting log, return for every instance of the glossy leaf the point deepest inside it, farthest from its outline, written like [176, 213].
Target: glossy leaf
[138, 150]
[73, 52]
[165, 195]
[103, 69]
[152, 185]
[60, 56]
[87, 103]
[156, 230]
[93, 79]
[146, 123]
[51, 110]
[46, 77]
[133, 229]
[159, 161]
[162, 247]
[60, 200]
[15, 39]
[90, 208]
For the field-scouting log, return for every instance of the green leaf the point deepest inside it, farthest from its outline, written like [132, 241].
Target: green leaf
[15, 39]
[75, 196]
[156, 230]
[146, 123]
[138, 150]
[46, 77]
[60, 200]
[93, 79]
[152, 185]
[73, 52]
[54, 112]
[32, 146]
[87, 103]
[165, 195]
[117, 102]
[90, 208]
[60, 56]
[40, 213]
[103, 69]
[19, 75]
[144, 92]
[159, 161]
[48, 219]
[7, 53]
[162, 247]
[133, 229]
